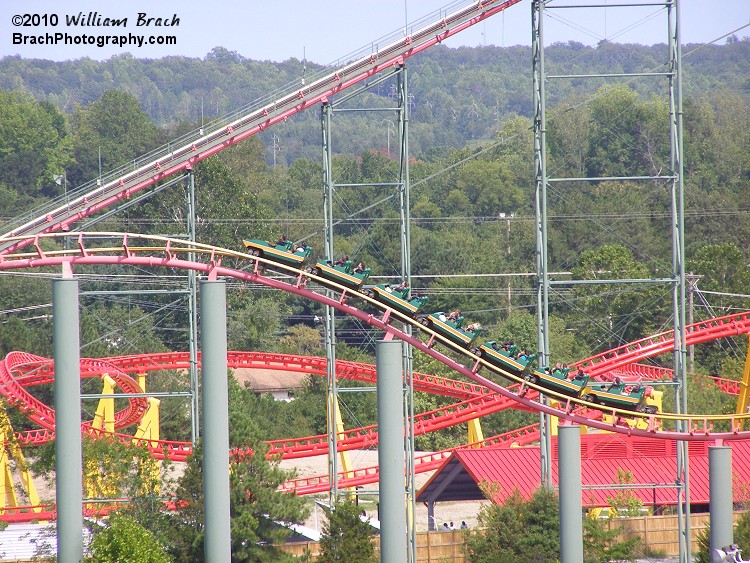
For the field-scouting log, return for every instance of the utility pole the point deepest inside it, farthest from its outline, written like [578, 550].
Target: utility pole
[507, 218]
[692, 287]
[276, 148]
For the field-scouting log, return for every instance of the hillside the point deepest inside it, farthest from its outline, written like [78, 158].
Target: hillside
[458, 95]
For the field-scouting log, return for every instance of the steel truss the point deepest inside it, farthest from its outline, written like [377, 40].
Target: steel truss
[674, 179]
[401, 186]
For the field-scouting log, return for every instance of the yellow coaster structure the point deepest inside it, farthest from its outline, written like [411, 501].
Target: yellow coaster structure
[344, 457]
[98, 483]
[148, 427]
[744, 386]
[10, 452]
[476, 436]
[104, 418]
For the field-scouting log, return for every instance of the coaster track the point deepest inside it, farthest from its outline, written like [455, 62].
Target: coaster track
[20, 370]
[182, 154]
[485, 395]
[156, 251]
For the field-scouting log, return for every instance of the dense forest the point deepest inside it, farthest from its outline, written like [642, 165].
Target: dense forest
[472, 201]
[456, 96]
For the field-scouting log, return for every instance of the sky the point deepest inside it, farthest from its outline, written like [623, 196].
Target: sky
[325, 32]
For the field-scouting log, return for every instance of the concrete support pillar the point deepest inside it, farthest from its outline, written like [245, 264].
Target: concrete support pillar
[215, 397]
[569, 479]
[391, 458]
[68, 453]
[720, 496]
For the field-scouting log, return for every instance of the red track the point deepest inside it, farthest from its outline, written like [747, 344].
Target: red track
[22, 370]
[703, 331]
[480, 398]
[129, 254]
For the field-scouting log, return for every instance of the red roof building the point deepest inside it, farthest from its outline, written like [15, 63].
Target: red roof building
[652, 464]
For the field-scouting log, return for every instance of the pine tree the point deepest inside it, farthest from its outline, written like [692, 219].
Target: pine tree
[346, 537]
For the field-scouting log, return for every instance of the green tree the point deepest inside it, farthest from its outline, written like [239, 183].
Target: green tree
[254, 319]
[703, 551]
[731, 139]
[346, 537]
[612, 315]
[112, 131]
[601, 545]
[124, 540]
[723, 268]
[742, 531]
[257, 508]
[626, 136]
[489, 188]
[518, 529]
[568, 138]
[529, 530]
[112, 468]
[302, 339]
[625, 502]
[227, 201]
[34, 146]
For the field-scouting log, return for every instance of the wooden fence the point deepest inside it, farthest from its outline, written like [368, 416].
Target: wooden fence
[657, 533]
[660, 533]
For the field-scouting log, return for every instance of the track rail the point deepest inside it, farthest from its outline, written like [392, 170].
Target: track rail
[697, 333]
[184, 153]
[44, 415]
[155, 251]
[34, 370]
[728, 386]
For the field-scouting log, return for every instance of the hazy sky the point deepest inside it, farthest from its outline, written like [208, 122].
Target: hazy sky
[326, 31]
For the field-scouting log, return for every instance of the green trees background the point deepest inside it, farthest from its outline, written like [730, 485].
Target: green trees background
[472, 196]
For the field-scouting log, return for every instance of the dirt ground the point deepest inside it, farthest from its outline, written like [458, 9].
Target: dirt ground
[318, 466]
[444, 512]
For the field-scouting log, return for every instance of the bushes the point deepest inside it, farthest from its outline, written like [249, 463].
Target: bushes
[125, 541]
[346, 537]
[529, 530]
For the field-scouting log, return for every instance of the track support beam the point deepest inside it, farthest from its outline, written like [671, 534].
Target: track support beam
[68, 452]
[215, 395]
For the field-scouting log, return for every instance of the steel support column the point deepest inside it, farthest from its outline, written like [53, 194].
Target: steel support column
[193, 312]
[678, 271]
[332, 400]
[401, 187]
[720, 499]
[405, 222]
[393, 545]
[68, 453]
[540, 206]
[215, 399]
[677, 280]
[569, 479]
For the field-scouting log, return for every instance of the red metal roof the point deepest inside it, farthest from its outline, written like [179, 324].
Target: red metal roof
[651, 462]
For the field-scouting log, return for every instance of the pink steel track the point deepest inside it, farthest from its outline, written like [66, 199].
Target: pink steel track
[19, 370]
[168, 254]
[483, 396]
